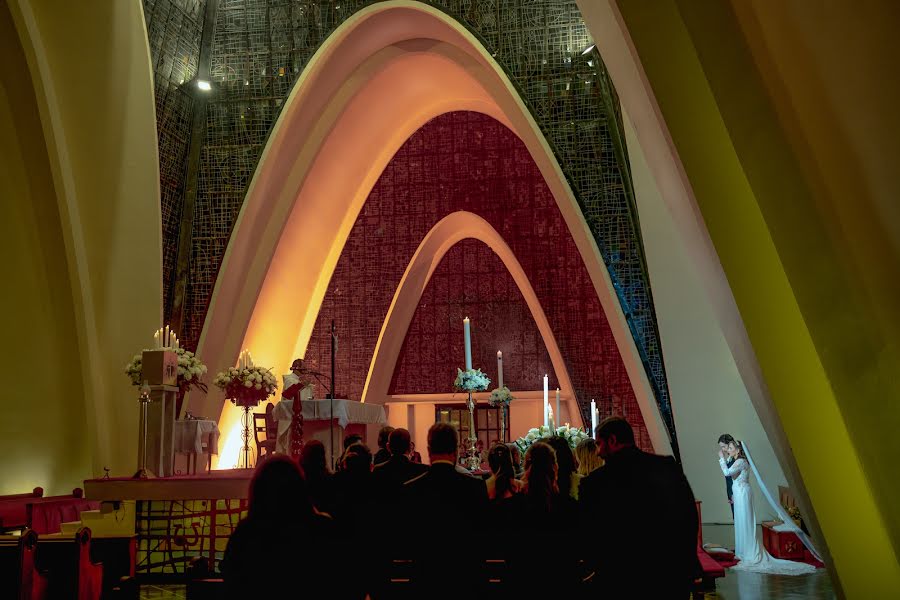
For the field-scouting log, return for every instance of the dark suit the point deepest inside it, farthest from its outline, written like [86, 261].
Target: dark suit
[644, 520]
[728, 484]
[391, 475]
[447, 560]
[382, 456]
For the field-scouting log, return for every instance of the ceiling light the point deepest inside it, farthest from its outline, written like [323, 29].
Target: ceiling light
[203, 85]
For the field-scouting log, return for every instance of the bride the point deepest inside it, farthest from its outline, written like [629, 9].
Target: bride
[747, 546]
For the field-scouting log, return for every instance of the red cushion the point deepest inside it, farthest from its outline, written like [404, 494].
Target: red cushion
[711, 568]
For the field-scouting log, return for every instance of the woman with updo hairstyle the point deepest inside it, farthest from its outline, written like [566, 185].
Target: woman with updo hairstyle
[502, 483]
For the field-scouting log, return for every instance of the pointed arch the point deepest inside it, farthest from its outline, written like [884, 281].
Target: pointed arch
[384, 73]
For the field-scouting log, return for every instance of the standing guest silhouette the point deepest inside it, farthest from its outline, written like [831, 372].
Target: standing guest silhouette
[442, 554]
[638, 502]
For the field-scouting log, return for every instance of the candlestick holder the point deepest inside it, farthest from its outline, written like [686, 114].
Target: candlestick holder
[503, 435]
[473, 458]
[144, 400]
[246, 421]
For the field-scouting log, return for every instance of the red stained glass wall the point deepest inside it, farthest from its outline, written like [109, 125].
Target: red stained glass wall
[469, 161]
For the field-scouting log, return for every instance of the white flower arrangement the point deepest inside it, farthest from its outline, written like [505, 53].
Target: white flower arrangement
[190, 370]
[572, 435]
[247, 386]
[472, 380]
[501, 397]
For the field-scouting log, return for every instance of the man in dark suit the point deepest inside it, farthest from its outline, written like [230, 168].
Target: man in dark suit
[724, 440]
[644, 518]
[447, 558]
[383, 453]
[391, 475]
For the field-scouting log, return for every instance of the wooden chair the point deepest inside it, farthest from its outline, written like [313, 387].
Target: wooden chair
[20, 577]
[265, 423]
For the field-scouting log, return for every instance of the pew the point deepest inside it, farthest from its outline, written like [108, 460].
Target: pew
[70, 571]
[37, 492]
[14, 510]
[49, 515]
[19, 576]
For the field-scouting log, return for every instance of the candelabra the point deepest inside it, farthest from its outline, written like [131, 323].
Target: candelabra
[473, 457]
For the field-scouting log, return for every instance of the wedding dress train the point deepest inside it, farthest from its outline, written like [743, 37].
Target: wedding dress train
[747, 546]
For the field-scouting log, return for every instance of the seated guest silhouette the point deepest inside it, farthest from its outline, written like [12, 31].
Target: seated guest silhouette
[639, 505]
[281, 522]
[383, 453]
[433, 498]
[565, 462]
[502, 483]
[544, 508]
[318, 476]
[398, 469]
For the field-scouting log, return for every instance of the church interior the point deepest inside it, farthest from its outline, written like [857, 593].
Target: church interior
[681, 215]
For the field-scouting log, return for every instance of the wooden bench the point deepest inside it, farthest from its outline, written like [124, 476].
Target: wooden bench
[49, 515]
[14, 510]
[70, 571]
[19, 575]
[712, 570]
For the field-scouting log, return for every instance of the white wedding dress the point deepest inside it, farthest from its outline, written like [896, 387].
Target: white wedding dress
[747, 546]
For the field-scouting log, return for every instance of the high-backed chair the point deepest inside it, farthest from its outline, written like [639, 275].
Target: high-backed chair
[265, 423]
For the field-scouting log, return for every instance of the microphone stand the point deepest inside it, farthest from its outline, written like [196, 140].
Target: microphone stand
[331, 394]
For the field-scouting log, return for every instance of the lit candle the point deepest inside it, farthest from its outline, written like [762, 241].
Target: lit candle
[593, 418]
[546, 400]
[156, 340]
[499, 369]
[552, 423]
[468, 335]
[166, 338]
[558, 414]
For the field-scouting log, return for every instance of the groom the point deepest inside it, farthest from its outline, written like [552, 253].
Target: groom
[724, 440]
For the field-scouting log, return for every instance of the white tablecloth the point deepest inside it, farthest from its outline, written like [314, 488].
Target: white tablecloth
[345, 411]
[190, 433]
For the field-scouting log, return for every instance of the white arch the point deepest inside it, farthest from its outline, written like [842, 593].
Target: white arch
[449, 231]
[380, 76]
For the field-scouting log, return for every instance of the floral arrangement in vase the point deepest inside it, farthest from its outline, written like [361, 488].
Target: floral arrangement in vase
[246, 384]
[190, 369]
[573, 435]
[471, 380]
[501, 397]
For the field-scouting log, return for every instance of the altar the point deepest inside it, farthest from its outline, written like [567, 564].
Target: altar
[348, 417]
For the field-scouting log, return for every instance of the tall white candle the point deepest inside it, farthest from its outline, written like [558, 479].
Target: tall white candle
[166, 338]
[468, 335]
[499, 369]
[546, 400]
[552, 422]
[156, 340]
[593, 418]
[557, 403]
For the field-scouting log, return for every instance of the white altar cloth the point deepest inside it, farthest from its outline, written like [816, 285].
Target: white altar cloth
[190, 434]
[345, 411]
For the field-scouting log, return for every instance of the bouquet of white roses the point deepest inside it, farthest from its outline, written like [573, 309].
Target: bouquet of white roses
[471, 380]
[571, 434]
[246, 386]
[190, 369]
[500, 397]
